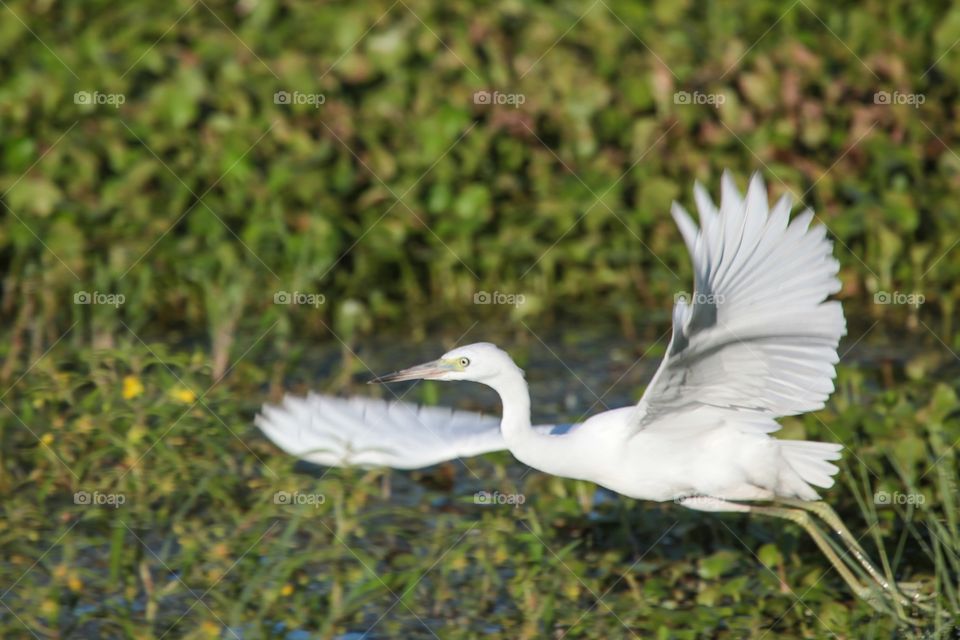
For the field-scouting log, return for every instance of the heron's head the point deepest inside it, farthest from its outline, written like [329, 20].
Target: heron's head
[478, 362]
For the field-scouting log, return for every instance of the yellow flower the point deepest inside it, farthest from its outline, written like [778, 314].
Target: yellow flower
[210, 629]
[185, 396]
[132, 387]
[75, 583]
[49, 608]
[287, 590]
[47, 439]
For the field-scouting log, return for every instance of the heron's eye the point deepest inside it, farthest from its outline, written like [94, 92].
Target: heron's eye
[464, 362]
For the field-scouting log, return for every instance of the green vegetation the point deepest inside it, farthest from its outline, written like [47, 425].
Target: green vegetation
[160, 197]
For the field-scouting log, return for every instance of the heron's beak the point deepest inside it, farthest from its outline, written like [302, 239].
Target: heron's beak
[425, 371]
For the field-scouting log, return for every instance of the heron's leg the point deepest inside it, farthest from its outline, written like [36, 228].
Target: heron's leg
[865, 592]
[707, 503]
[826, 513]
[803, 519]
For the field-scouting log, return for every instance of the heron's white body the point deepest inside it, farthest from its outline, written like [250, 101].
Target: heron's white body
[697, 454]
[758, 341]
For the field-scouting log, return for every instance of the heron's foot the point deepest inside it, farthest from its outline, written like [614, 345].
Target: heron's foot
[915, 592]
[911, 609]
[913, 595]
[914, 602]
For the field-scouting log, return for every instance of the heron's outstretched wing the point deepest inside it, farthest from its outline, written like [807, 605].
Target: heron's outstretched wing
[757, 335]
[368, 432]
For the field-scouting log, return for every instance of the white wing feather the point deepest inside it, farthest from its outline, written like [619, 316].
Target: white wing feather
[368, 432]
[758, 336]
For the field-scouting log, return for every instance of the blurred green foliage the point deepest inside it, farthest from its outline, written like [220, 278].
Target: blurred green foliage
[149, 151]
[199, 196]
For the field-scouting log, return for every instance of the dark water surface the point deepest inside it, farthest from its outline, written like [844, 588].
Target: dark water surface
[582, 369]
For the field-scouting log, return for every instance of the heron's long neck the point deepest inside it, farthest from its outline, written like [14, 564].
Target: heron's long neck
[539, 450]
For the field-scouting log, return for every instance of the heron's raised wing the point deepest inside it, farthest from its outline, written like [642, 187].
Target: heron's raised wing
[367, 432]
[758, 334]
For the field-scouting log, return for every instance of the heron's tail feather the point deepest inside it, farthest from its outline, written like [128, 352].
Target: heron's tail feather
[808, 463]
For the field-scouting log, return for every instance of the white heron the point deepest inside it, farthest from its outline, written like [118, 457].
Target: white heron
[757, 341]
